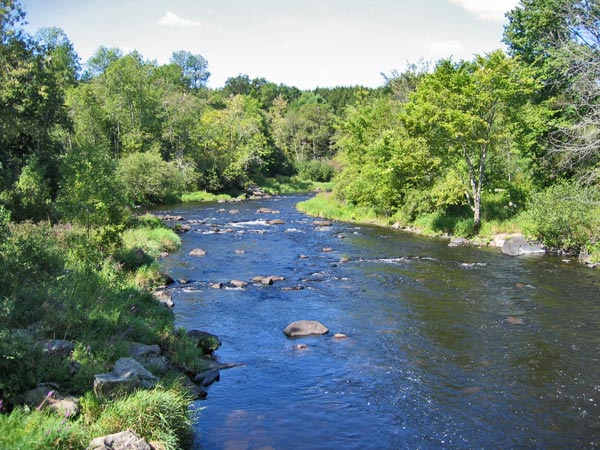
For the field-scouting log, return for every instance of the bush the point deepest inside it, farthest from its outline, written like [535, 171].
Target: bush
[150, 180]
[566, 217]
[315, 170]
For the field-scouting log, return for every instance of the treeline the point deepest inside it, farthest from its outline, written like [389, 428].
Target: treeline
[458, 144]
[84, 142]
[503, 138]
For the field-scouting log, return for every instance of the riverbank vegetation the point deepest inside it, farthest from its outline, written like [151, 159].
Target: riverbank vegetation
[504, 142]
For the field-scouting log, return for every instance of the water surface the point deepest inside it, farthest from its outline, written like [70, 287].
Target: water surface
[448, 347]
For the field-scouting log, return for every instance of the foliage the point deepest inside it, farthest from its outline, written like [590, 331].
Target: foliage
[90, 193]
[148, 179]
[315, 170]
[465, 111]
[204, 196]
[566, 216]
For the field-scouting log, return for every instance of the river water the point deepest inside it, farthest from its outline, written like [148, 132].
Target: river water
[447, 347]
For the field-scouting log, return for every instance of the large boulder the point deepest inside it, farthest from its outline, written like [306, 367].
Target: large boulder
[303, 328]
[197, 252]
[127, 375]
[126, 440]
[207, 377]
[57, 347]
[518, 246]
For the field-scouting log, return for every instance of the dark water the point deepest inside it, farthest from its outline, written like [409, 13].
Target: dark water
[448, 347]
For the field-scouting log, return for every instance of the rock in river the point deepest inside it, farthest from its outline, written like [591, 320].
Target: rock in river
[305, 328]
[197, 252]
[517, 246]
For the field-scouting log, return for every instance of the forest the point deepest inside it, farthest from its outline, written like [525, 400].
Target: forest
[508, 141]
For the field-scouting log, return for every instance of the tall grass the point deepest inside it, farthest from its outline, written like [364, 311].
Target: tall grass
[152, 240]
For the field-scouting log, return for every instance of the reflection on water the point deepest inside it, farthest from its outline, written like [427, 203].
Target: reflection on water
[448, 347]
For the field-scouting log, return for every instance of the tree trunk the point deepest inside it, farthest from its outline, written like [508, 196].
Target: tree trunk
[477, 212]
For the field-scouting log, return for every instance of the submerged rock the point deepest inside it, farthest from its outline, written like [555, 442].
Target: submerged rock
[303, 328]
[238, 283]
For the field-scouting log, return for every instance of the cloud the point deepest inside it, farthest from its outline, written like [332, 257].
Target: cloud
[170, 19]
[487, 9]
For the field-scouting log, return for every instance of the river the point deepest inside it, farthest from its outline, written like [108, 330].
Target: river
[447, 347]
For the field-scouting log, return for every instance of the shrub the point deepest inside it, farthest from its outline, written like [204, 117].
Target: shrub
[315, 170]
[565, 216]
[149, 179]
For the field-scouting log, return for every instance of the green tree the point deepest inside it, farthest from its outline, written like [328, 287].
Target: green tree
[380, 162]
[465, 111]
[99, 61]
[194, 68]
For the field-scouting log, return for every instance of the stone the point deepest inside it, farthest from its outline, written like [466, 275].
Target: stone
[322, 223]
[301, 347]
[208, 342]
[234, 211]
[340, 336]
[167, 279]
[127, 375]
[459, 242]
[197, 252]
[125, 440]
[149, 356]
[303, 328]
[217, 285]
[267, 281]
[169, 217]
[238, 283]
[197, 392]
[57, 347]
[344, 260]
[266, 211]
[180, 229]
[327, 250]
[518, 246]
[164, 297]
[275, 222]
[207, 377]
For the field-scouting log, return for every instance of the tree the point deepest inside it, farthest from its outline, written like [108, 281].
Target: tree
[380, 162]
[194, 68]
[561, 40]
[464, 111]
[99, 61]
[32, 91]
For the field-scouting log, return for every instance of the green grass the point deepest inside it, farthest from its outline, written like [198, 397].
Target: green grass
[204, 196]
[152, 240]
[97, 304]
[292, 185]
[326, 206]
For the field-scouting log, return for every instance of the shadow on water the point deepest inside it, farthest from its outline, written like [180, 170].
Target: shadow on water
[448, 347]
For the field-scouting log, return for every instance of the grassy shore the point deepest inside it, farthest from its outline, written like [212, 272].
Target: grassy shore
[325, 205]
[91, 288]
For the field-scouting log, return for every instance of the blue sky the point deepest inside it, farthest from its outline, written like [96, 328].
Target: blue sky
[303, 43]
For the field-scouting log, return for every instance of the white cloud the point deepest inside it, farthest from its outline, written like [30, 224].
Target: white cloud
[170, 19]
[487, 9]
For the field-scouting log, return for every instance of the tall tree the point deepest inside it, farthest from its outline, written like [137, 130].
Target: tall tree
[464, 112]
[194, 68]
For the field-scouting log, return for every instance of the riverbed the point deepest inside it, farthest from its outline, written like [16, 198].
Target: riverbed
[447, 347]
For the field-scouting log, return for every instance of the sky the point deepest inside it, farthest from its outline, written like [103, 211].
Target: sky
[302, 43]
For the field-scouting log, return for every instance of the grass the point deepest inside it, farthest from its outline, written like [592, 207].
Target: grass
[153, 241]
[326, 206]
[204, 196]
[98, 304]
